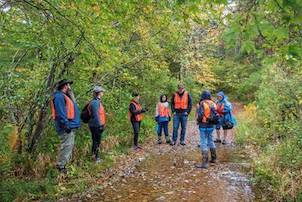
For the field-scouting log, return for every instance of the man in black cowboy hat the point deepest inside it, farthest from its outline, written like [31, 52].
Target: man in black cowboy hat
[65, 113]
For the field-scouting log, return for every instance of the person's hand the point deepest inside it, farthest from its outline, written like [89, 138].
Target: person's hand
[186, 113]
[156, 118]
[169, 118]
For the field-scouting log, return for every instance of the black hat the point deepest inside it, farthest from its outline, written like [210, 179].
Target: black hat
[135, 93]
[63, 82]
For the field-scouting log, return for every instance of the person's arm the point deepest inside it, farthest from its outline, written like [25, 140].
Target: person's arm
[227, 108]
[156, 110]
[189, 104]
[200, 112]
[172, 103]
[95, 106]
[60, 108]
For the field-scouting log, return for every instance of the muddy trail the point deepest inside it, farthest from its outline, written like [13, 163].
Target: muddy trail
[166, 173]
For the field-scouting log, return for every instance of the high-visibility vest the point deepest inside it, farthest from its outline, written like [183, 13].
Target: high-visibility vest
[163, 111]
[181, 102]
[138, 107]
[207, 104]
[102, 115]
[70, 113]
[220, 108]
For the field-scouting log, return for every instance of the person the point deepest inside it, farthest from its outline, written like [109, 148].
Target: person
[226, 121]
[135, 115]
[97, 121]
[162, 117]
[181, 105]
[65, 113]
[204, 110]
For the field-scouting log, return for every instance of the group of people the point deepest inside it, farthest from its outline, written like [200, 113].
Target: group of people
[210, 113]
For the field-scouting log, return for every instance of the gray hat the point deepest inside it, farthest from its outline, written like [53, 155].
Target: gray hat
[98, 89]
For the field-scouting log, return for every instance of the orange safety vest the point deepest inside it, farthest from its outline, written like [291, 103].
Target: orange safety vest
[181, 102]
[70, 113]
[102, 114]
[207, 104]
[163, 111]
[220, 108]
[138, 107]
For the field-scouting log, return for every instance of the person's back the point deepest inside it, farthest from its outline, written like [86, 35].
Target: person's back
[205, 111]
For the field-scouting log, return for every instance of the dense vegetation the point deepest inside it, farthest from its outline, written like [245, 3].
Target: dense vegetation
[249, 48]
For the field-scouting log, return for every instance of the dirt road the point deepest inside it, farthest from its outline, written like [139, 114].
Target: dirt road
[166, 173]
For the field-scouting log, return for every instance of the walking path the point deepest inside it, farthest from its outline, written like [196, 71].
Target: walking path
[165, 173]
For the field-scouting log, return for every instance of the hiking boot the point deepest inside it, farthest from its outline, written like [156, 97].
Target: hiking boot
[213, 155]
[159, 141]
[224, 142]
[205, 163]
[182, 143]
[217, 141]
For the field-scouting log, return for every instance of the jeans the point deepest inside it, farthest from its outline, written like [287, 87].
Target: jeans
[206, 139]
[136, 127]
[179, 118]
[163, 126]
[96, 134]
[67, 143]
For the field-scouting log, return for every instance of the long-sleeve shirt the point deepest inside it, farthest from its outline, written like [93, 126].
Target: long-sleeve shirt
[95, 120]
[61, 120]
[188, 110]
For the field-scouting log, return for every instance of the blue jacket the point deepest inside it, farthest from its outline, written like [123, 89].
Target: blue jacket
[61, 120]
[95, 116]
[227, 110]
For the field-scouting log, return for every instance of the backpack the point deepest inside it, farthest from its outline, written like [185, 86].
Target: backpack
[86, 114]
[213, 118]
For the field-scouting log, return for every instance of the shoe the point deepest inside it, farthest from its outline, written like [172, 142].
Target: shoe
[139, 147]
[183, 143]
[198, 145]
[224, 142]
[217, 141]
[62, 170]
[159, 141]
[173, 143]
[205, 163]
[213, 155]
[98, 160]
[168, 141]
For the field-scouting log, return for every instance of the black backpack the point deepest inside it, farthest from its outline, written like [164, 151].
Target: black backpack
[86, 113]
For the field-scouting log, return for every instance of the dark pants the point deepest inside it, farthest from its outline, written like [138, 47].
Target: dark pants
[163, 126]
[96, 134]
[179, 119]
[136, 127]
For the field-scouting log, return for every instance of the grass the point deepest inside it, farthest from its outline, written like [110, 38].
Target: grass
[276, 162]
